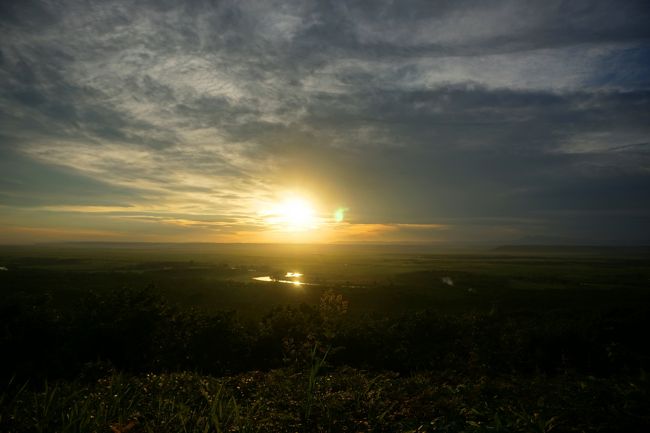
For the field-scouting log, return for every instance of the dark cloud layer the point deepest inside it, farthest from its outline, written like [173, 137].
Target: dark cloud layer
[497, 120]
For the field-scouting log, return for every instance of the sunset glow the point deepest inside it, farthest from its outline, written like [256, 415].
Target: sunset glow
[320, 214]
[135, 122]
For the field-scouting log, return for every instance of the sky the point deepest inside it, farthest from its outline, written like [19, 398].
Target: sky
[375, 121]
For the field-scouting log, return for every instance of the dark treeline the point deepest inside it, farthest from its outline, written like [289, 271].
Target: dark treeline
[137, 331]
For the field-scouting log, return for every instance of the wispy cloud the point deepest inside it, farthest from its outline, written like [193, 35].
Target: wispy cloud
[412, 114]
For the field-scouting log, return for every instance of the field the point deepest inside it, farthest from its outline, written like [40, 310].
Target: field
[160, 337]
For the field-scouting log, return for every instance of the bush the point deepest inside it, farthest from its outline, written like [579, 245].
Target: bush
[137, 331]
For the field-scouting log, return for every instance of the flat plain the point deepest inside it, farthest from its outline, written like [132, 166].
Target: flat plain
[332, 338]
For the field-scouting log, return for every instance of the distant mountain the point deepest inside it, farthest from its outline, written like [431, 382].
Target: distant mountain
[573, 241]
[556, 241]
[573, 249]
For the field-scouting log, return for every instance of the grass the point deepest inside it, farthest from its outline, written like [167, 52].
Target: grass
[317, 362]
[182, 402]
[341, 400]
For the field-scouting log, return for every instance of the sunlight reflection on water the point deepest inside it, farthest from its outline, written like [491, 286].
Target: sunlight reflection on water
[294, 281]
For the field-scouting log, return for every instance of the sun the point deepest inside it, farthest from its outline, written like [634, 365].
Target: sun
[297, 213]
[294, 214]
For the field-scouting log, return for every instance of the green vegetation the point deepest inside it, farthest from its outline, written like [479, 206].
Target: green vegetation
[343, 400]
[383, 340]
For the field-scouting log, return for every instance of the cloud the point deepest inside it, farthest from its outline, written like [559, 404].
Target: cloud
[409, 113]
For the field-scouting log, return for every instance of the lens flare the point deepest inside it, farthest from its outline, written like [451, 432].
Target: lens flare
[339, 215]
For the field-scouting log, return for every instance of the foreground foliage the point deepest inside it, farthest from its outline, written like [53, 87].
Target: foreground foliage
[341, 400]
